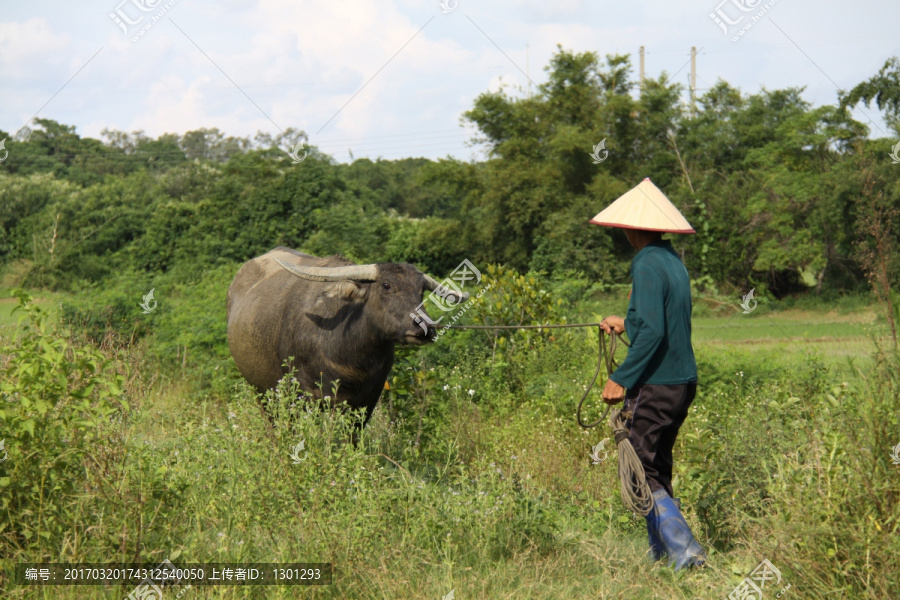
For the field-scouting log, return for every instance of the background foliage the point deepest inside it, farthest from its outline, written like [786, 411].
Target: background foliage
[774, 187]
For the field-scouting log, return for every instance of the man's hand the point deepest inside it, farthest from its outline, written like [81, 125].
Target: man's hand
[613, 323]
[613, 393]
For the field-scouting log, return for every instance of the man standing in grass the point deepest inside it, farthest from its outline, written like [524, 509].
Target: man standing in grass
[660, 373]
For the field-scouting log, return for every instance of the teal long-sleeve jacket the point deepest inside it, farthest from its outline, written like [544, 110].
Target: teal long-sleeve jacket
[658, 322]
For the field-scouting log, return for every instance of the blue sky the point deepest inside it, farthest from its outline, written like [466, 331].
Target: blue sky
[391, 79]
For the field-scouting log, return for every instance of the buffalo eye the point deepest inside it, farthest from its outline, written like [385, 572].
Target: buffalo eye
[386, 287]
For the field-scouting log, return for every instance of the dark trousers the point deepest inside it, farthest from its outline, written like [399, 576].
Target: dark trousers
[657, 413]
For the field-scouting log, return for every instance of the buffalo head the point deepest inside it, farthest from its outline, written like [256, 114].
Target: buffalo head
[392, 294]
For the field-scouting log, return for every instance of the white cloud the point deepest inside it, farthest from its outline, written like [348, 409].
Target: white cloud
[30, 51]
[30, 40]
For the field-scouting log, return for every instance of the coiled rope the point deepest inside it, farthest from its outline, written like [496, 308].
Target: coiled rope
[636, 494]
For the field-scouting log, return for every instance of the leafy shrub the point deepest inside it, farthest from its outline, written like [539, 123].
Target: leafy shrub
[495, 358]
[57, 399]
[191, 319]
[187, 325]
[111, 312]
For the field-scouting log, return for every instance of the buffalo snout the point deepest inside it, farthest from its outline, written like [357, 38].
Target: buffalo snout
[421, 329]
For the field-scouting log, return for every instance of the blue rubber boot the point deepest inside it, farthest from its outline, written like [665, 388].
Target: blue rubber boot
[667, 522]
[657, 550]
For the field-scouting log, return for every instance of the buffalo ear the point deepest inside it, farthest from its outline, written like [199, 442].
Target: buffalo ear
[347, 290]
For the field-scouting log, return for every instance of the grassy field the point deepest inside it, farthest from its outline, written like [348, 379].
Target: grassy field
[8, 304]
[474, 478]
[838, 333]
[788, 336]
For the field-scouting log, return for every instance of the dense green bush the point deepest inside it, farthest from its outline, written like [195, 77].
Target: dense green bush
[59, 401]
[185, 328]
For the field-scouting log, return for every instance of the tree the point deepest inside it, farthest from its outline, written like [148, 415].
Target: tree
[211, 144]
[879, 228]
[883, 89]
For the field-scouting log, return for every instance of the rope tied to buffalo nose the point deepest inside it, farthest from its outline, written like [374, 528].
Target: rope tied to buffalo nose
[636, 494]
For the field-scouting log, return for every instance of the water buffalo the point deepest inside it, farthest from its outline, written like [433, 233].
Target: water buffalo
[338, 320]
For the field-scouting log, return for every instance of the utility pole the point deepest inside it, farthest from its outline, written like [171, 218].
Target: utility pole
[528, 70]
[693, 80]
[642, 67]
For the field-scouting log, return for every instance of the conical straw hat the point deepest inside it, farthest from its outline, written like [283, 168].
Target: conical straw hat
[644, 207]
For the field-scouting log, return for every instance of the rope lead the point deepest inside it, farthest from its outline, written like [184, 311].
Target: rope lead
[636, 494]
[603, 358]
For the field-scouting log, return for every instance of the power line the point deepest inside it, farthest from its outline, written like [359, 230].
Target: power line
[140, 157]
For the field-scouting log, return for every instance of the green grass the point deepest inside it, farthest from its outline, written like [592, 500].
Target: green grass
[47, 300]
[802, 325]
[836, 331]
[498, 499]
[788, 336]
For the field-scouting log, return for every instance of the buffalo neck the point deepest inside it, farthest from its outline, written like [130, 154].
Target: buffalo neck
[362, 340]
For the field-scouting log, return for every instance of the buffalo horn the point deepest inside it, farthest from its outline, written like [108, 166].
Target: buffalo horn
[354, 272]
[432, 285]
